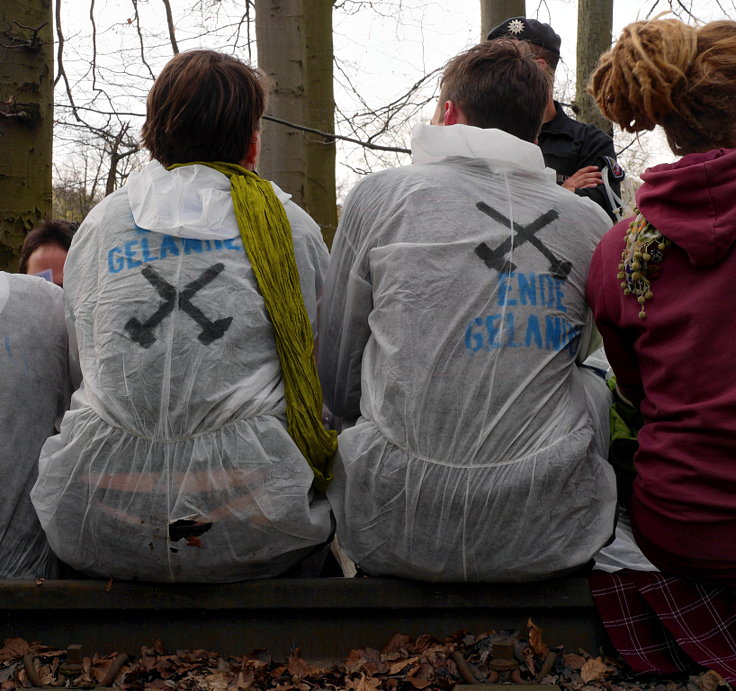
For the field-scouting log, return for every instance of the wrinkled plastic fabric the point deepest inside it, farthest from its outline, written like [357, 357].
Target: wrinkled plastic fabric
[174, 463]
[623, 552]
[34, 392]
[479, 448]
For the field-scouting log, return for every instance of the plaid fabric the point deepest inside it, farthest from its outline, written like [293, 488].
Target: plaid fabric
[666, 624]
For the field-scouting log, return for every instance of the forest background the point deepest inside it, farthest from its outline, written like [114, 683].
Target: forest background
[351, 77]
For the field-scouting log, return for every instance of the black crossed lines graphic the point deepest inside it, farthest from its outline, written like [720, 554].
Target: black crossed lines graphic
[142, 333]
[498, 259]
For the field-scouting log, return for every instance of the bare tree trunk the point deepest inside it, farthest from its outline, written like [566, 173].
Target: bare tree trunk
[26, 121]
[595, 24]
[319, 192]
[294, 41]
[493, 12]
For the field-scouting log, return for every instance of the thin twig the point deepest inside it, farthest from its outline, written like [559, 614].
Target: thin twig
[332, 135]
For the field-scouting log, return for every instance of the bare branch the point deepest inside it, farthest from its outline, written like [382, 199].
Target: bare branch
[329, 136]
[94, 41]
[60, 41]
[140, 38]
[170, 24]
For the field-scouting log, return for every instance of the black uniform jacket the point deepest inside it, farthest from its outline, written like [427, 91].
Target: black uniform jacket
[569, 145]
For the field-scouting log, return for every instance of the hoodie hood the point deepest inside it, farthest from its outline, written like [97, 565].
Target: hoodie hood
[693, 203]
[189, 202]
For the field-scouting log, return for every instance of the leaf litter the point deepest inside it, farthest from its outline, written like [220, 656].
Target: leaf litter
[403, 664]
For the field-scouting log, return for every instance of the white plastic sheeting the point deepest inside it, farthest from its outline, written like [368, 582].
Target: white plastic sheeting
[479, 448]
[623, 552]
[174, 463]
[34, 392]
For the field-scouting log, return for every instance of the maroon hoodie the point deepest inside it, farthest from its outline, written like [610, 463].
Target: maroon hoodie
[677, 364]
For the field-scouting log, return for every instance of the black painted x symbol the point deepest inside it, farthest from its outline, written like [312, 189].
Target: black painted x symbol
[142, 333]
[498, 259]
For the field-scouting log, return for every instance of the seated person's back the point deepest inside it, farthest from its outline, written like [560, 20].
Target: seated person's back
[33, 394]
[175, 463]
[479, 450]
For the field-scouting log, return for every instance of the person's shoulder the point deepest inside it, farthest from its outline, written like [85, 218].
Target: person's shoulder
[302, 224]
[562, 122]
[44, 295]
[114, 205]
[587, 130]
[582, 212]
[32, 284]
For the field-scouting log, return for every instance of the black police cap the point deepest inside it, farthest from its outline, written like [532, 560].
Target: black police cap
[528, 30]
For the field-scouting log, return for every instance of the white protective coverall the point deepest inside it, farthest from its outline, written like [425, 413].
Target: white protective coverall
[34, 392]
[479, 448]
[174, 463]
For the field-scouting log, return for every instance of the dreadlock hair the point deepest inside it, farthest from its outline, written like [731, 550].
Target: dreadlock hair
[664, 72]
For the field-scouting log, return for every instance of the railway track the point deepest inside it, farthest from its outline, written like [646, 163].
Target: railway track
[325, 617]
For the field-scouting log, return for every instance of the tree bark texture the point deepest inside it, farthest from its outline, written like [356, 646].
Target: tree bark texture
[595, 24]
[493, 12]
[26, 121]
[294, 41]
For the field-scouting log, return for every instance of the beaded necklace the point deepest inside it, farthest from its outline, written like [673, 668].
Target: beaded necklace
[640, 260]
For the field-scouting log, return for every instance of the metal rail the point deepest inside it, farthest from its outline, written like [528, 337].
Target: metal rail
[325, 617]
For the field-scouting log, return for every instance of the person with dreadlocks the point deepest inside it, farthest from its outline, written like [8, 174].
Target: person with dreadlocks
[194, 449]
[659, 286]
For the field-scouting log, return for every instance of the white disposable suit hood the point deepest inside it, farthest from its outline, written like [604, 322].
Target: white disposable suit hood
[431, 143]
[188, 202]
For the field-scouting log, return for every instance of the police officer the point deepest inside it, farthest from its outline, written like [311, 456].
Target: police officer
[581, 154]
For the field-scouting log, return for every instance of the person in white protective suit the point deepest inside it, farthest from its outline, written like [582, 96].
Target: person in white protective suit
[34, 392]
[452, 328]
[194, 449]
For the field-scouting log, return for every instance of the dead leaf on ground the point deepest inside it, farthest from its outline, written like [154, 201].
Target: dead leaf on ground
[99, 669]
[574, 661]
[536, 643]
[710, 681]
[14, 647]
[397, 667]
[219, 681]
[399, 642]
[298, 666]
[363, 684]
[529, 660]
[425, 642]
[593, 670]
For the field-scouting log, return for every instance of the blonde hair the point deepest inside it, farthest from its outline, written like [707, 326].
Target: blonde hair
[664, 72]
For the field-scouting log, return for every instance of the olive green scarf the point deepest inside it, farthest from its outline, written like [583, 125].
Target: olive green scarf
[267, 239]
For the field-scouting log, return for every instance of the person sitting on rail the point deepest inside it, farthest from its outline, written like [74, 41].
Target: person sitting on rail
[660, 287]
[34, 392]
[194, 449]
[452, 327]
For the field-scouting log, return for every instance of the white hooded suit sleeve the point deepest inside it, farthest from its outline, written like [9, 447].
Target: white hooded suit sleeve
[344, 311]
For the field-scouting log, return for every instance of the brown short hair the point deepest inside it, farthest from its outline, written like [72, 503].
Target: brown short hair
[498, 84]
[204, 106]
[58, 233]
[664, 72]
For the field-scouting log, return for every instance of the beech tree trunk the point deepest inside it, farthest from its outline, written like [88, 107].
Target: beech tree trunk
[26, 121]
[595, 25]
[493, 12]
[294, 42]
